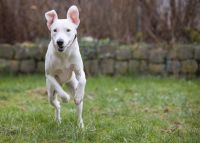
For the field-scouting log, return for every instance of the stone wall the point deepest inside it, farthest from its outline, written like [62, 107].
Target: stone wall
[109, 59]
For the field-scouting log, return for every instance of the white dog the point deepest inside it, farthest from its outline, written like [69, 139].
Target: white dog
[63, 62]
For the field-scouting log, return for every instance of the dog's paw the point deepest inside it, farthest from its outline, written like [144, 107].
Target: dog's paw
[58, 120]
[65, 97]
[78, 100]
[80, 124]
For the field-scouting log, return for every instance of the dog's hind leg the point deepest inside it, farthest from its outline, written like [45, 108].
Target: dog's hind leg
[54, 101]
[73, 84]
[79, 110]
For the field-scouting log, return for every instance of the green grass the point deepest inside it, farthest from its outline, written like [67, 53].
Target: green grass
[116, 109]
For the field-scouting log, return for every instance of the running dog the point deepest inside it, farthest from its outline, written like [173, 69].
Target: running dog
[63, 62]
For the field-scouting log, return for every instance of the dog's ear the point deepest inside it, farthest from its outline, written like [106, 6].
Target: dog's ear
[73, 15]
[51, 16]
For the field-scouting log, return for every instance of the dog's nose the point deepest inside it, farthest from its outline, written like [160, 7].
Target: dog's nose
[60, 42]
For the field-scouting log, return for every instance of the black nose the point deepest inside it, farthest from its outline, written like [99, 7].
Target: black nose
[60, 42]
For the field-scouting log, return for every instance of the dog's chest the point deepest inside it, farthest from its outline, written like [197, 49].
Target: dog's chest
[63, 71]
[63, 75]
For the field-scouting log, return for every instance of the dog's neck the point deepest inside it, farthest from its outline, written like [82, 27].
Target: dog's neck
[75, 37]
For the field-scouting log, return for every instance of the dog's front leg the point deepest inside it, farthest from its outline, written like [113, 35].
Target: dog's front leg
[58, 88]
[79, 94]
[53, 100]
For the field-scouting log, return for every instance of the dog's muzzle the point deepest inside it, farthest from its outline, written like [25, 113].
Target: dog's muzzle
[60, 43]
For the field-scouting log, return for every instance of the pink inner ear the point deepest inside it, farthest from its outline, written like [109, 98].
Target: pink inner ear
[51, 16]
[73, 15]
[51, 20]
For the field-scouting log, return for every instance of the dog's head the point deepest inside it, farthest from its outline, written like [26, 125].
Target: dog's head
[63, 31]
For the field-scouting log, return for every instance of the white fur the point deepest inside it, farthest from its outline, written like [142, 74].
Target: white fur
[64, 67]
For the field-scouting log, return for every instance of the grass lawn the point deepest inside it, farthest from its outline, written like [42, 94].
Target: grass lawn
[116, 109]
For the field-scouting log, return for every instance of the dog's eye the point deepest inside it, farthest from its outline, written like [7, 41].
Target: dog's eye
[68, 30]
[55, 30]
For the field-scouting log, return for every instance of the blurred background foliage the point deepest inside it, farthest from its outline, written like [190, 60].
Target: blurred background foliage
[126, 21]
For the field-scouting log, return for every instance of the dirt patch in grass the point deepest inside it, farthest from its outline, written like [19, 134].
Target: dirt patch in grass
[42, 91]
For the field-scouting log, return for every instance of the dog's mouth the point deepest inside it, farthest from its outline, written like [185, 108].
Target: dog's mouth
[60, 49]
